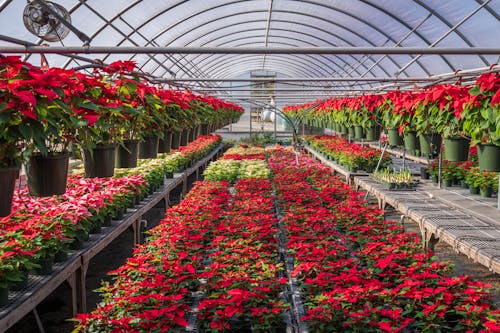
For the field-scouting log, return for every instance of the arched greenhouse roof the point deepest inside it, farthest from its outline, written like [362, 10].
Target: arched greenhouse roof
[275, 24]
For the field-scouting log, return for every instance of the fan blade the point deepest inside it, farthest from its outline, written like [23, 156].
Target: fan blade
[82, 36]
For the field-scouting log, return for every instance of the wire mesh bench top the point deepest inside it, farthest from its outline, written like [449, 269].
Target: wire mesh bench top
[469, 226]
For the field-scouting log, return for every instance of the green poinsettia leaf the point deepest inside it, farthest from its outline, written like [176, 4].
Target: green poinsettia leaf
[26, 131]
[88, 105]
[77, 122]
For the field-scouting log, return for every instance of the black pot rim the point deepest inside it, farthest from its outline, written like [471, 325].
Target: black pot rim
[106, 146]
[10, 168]
[51, 155]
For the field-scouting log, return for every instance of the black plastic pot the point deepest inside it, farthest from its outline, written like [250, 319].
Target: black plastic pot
[8, 178]
[176, 140]
[192, 134]
[100, 161]
[47, 175]
[184, 137]
[204, 129]
[149, 147]
[424, 174]
[127, 153]
[165, 143]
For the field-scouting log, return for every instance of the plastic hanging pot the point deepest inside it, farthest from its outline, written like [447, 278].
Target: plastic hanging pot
[184, 137]
[456, 149]
[100, 162]
[8, 178]
[4, 296]
[411, 142]
[351, 131]
[176, 140]
[148, 148]
[486, 192]
[394, 137]
[127, 154]
[165, 143]
[192, 134]
[372, 133]
[424, 174]
[47, 175]
[358, 132]
[489, 157]
[430, 144]
[204, 129]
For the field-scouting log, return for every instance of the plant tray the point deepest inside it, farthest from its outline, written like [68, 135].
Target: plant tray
[397, 186]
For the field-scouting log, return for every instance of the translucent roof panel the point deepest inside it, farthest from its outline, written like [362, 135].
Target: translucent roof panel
[274, 23]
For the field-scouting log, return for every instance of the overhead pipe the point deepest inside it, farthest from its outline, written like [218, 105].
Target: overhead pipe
[302, 79]
[249, 50]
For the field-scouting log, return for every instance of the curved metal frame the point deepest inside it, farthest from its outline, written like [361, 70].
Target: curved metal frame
[248, 60]
[449, 25]
[253, 21]
[269, 36]
[264, 11]
[321, 64]
[326, 5]
[342, 69]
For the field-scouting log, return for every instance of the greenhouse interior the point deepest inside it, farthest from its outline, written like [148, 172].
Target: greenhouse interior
[285, 166]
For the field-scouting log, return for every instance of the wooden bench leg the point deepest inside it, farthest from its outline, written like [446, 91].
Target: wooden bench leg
[429, 240]
[184, 185]
[81, 287]
[136, 229]
[71, 280]
[38, 321]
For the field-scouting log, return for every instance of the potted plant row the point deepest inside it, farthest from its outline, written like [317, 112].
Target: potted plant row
[424, 120]
[43, 113]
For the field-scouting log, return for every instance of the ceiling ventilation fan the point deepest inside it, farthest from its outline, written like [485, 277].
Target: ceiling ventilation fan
[49, 21]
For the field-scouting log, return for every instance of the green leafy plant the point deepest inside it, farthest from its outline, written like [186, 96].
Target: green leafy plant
[482, 112]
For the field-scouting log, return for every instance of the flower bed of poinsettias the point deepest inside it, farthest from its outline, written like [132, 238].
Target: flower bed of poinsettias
[360, 273]
[243, 278]
[239, 163]
[352, 156]
[243, 152]
[42, 228]
[215, 250]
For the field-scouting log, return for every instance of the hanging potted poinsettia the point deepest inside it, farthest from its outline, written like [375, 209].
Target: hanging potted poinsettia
[405, 105]
[482, 120]
[391, 118]
[425, 124]
[371, 116]
[101, 115]
[129, 102]
[187, 117]
[152, 121]
[169, 114]
[450, 100]
[46, 123]
[211, 108]
[14, 110]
